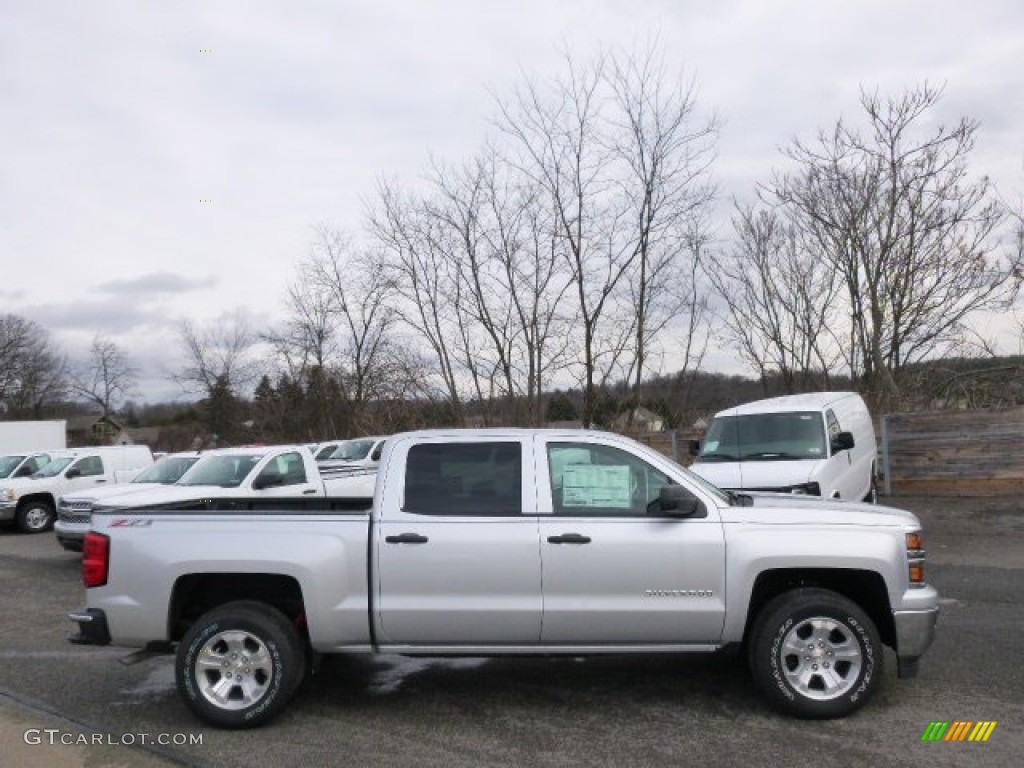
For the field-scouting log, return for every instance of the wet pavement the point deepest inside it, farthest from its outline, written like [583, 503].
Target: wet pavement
[605, 711]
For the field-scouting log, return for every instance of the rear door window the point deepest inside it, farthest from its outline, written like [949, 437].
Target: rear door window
[470, 479]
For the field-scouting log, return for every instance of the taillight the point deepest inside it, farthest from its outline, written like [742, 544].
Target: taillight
[95, 559]
[915, 559]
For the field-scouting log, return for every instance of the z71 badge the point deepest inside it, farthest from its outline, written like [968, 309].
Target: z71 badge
[130, 522]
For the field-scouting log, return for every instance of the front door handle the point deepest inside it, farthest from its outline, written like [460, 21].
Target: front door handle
[309, 492]
[569, 538]
[406, 538]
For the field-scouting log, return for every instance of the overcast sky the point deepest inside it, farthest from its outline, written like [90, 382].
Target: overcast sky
[120, 117]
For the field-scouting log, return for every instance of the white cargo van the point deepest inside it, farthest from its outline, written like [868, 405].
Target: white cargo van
[819, 443]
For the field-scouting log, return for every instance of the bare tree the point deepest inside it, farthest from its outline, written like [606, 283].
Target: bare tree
[33, 372]
[666, 151]
[893, 212]
[106, 377]
[218, 356]
[778, 300]
[621, 162]
[425, 286]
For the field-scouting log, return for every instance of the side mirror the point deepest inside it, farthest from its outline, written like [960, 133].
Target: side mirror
[73, 472]
[375, 456]
[842, 442]
[24, 471]
[267, 480]
[695, 447]
[676, 501]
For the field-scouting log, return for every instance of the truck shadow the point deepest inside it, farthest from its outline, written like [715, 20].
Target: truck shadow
[536, 682]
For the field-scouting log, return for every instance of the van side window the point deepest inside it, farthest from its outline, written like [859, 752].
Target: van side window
[472, 479]
[833, 425]
[90, 466]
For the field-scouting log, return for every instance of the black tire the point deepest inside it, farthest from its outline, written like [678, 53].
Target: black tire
[259, 645]
[35, 516]
[838, 670]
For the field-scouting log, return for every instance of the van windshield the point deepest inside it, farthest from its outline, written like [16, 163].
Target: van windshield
[786, 436]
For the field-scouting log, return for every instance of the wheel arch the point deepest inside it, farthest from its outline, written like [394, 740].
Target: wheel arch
[44, 496]
[196, 593]
[865, 588]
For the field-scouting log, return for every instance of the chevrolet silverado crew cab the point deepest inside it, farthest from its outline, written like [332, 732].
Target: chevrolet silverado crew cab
[490, 542]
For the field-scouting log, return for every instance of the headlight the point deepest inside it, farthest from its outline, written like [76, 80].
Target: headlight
[807, 489]
[8, 494]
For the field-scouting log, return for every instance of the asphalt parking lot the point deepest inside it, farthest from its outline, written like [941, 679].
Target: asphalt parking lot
[66, 705]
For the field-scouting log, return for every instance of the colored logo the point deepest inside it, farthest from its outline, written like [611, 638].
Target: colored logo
[959, 730]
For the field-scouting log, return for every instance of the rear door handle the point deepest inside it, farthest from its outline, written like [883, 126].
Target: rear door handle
[406, 538]
[569, 538]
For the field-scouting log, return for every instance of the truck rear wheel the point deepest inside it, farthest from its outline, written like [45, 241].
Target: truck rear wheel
[815, 654]
[239, 664]
[35, 516]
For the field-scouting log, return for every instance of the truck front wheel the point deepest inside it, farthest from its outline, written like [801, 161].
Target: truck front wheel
[35, 516]
[815, 653]
[238, 665]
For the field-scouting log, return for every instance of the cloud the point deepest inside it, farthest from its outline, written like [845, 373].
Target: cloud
[110, 316]
[157, 284]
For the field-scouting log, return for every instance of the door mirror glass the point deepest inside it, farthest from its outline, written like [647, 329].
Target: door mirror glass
[269, 478]
[842, 442]
[676, 501]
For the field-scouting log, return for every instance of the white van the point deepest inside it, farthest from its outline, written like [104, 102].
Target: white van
[820, 444]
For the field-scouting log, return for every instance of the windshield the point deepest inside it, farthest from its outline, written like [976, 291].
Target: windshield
[166, 471]
[55, 467]
[765, 437]
[325, 452]
[8, 464]
[353, 450]
[225, 471]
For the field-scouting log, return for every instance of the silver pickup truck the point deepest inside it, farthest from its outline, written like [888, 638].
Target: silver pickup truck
[488, 542]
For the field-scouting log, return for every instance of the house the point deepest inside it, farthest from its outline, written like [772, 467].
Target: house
[97, 429]
[638, 419]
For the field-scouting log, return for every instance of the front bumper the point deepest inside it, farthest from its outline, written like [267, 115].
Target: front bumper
[92, 627]
[915, 627]
[71, 535]
[8, 510]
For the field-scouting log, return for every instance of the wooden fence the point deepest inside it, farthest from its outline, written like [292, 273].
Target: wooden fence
[977, 452]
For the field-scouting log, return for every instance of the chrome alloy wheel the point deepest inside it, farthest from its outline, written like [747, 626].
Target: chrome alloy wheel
[821, 658]
[233, 669]
[37, 517]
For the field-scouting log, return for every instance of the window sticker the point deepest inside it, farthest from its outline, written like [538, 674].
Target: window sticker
[593, 485]
[711, 446]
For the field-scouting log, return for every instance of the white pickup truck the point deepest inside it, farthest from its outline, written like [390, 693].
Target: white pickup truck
[31, 501]
[23, 464]
[227, 473]
[488, 542]
[74, 510]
